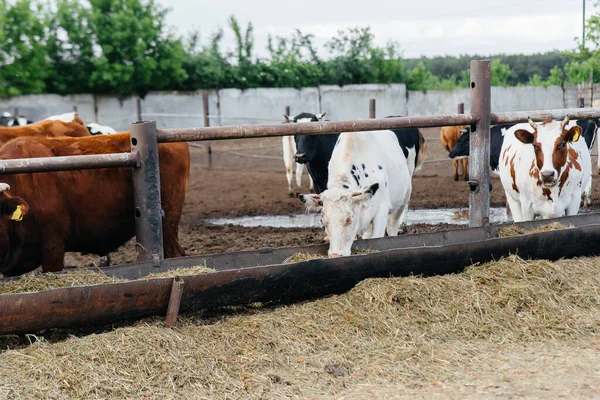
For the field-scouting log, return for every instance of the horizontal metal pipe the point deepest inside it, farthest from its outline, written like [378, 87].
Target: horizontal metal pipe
[314, 128]
[544, 115]
[68, 163]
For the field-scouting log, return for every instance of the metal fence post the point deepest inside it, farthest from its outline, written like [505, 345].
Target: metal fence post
[138, 109]
[206, 125]
[371, 108]
[146, 193]
[581, 103]
[479, 147]
[461, 108]
[74, 108]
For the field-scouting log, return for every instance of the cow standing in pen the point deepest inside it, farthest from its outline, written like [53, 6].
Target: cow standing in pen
[449, 136]
[544, 169]
[289, 151]
[368, 189]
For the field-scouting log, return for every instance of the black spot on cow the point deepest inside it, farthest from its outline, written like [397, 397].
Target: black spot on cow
[363, 166]
[356, 179]
[353, 167]
[345, 186]
[380, 167]
[366, 175]
[386, 184]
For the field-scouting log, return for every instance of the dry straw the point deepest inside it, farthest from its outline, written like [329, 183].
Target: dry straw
[398, 331]
[80, 277]
[513, 230]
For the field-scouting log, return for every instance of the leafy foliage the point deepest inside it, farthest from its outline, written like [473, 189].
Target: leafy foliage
[124, 47]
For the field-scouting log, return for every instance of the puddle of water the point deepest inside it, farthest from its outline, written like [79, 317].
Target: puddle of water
[457, 216]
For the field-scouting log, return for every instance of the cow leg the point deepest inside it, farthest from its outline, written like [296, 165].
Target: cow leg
[515, 209]
[53, 257]
[573, 207]
[172, 247]
[379, 224]
[455, 165]
[586, 195]
[465, 165]
[394, 220]
[288, 160]
[299, 169]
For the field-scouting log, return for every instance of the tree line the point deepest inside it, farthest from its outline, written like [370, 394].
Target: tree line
[125, 47]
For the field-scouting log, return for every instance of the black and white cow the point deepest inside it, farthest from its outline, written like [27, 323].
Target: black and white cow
[315, 151]
[7, 119]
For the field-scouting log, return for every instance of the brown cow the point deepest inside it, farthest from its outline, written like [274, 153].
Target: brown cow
[88, 211]
[449, 136]
[46, 128]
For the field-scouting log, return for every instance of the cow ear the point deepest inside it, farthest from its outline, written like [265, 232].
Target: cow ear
[313, 202]
[573, 134]
[524, 136]
[14, 208]
[320, 116]
[365, 194]
[288, 118]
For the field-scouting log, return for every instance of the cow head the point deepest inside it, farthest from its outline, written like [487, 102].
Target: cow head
[342, 214]
[304, 142]
[461, 148]
[551, 142]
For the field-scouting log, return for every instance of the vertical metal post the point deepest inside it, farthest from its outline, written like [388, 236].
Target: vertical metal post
[146, 193]
[461, 108]
[74, 108]
[371, 108]
[479, 147]
[581, 103]
[592, 88]
[207, 124]
[138, 108]
[287, 112]
[15, 112]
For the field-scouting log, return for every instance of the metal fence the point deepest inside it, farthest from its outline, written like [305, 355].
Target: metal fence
[145, 138]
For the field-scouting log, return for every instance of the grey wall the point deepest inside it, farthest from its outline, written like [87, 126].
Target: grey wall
[266, 106]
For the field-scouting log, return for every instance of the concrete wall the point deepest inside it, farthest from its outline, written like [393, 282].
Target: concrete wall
[266, 106]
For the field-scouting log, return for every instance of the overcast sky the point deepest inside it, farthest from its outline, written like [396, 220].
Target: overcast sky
[421, 27]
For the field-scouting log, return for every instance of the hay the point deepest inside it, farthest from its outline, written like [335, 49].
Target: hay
[80, 277]
[513, 230]
[299, 257]
[39, 282]
[402, 331]
[196, 270]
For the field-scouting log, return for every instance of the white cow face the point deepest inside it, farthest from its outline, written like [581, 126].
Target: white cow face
[305, 117]
[552, 143]
[343, 213]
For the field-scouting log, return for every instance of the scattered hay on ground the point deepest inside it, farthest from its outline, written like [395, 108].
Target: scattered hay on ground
[39, 282]
[409, 332]
[513, 230]
[299, 257]
[195, 270]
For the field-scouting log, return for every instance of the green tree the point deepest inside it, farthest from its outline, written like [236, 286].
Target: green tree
[499, 73]
[23, 55]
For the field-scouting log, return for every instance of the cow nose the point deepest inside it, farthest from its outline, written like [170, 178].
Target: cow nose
[334, 255]
[300, 158]
[547, 176]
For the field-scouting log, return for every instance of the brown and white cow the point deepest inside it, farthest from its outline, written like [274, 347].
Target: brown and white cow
[88, 211]
[449, 136]
[544, 169]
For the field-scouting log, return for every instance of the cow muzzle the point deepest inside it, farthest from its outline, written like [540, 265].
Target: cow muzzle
[548, 178]
[300, 158]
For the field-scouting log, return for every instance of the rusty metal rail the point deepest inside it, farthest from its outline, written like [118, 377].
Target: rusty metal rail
[68, 163]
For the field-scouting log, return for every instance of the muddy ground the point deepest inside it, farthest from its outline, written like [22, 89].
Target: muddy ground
[247, 178]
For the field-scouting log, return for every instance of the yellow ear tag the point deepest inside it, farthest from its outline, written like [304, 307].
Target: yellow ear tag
[576, 135]
[17, 215]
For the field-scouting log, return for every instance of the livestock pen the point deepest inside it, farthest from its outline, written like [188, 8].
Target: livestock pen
[244, 277]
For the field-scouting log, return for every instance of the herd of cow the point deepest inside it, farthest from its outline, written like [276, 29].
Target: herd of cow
[362, 183]
[363, 180]
[88, 211]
